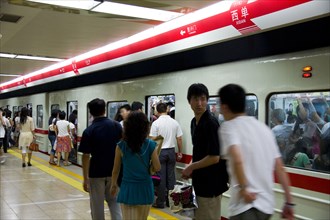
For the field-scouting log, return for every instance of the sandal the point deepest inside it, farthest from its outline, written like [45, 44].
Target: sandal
[67, 163]
[52, 163]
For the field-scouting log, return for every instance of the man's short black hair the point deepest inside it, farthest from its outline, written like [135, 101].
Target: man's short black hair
[161, 107]
[197, 89]
[234, 96]
[136, 106]
[96, 107]
[61, 115]
[126, 106]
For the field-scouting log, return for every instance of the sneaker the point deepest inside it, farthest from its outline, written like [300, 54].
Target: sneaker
[158, 206]
[23, 165]
[2, 160]
[67, 163]
[29, 164]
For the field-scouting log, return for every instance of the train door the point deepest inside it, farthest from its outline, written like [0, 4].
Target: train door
[113, 109]
[72, 117]
[29, 107]
[153, 100]
[40, 116]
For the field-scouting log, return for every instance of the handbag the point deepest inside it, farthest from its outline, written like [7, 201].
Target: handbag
[182, 200]
[34, 146]
[154, 176]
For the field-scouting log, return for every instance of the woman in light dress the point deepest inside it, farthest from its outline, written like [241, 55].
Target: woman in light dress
[27, 135]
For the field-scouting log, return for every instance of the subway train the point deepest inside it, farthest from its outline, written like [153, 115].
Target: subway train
[279, 69]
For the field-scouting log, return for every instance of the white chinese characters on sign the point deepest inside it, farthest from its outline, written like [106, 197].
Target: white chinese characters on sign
[192, 29]
[239, 16]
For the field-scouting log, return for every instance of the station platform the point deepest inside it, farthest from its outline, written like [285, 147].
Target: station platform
[44, 191]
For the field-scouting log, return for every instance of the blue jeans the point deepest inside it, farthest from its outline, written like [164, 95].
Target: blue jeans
[52, 139]
[99, 189]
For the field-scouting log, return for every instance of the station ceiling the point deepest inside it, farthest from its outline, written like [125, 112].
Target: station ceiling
[30, 28]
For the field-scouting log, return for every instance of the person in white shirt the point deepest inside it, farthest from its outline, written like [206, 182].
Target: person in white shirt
[63, 143]
[252, 156]
[172, 133]
[2, 135]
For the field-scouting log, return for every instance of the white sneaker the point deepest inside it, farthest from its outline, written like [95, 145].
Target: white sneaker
[2, 160]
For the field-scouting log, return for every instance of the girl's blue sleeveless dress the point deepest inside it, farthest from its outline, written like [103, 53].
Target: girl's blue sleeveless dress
[136, 187]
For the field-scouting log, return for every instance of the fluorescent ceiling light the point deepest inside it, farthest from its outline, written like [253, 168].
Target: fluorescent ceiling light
[7, 55]
[38, 58]
[10, 75]
[79, 4]
[135, 11]
[27, 57]
[115, 8]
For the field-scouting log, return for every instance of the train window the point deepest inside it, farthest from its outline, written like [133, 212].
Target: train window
[152, 101]
[29, 107]
[15, 109]
[89, 117]
[40, 115]
[301, 124]
[71, 108]
[113, 109]
[251, 106]
[214, 107]
[54, 106]
[20, 108]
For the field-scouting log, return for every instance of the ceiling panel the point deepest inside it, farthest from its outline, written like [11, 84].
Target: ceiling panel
[46, 30]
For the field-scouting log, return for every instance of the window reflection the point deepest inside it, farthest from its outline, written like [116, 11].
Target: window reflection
[300, 122]
[251, 107]
[40, 115]
[153, 100]
[113, 110]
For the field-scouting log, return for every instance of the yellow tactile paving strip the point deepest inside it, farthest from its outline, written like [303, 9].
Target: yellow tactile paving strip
[75, 180]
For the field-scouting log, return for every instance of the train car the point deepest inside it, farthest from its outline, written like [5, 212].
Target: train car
[278, 68]
[272, 82]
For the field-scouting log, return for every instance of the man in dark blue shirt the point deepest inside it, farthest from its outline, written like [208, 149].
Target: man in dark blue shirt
[98, 145]
[207, 170]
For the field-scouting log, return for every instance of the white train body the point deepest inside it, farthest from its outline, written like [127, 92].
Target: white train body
[260, 76]
[266, 58]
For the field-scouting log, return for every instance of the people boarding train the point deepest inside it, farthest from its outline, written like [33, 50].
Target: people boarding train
[251, 160]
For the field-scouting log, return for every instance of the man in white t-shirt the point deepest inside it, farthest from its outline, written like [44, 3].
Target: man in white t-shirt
[2, 136]
[253, 155]
[170, 129]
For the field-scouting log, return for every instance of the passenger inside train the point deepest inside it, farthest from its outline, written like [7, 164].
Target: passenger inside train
[301, 132]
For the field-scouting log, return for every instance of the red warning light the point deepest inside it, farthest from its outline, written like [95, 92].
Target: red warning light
[307, 75]
[307, 72]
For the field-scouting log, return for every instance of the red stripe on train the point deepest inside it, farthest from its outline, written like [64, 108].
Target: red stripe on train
[309, 183]
[40, 131]
[224, 19]
[297, 180]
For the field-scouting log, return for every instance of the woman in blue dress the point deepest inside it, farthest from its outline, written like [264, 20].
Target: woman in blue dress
[134, 152]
